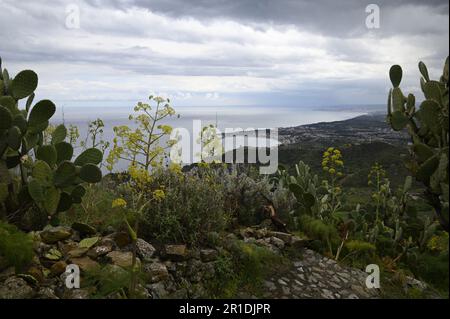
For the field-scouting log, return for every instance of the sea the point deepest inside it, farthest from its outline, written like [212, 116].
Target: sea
[246, 118]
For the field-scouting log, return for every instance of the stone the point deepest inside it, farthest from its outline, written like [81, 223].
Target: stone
[76, 294]
[77, 252]
[207, 255]
[84, 229]
[53, 254]
[261, 233]
[287, 238]
[175, 252]
[107, 241]
[286, 290]
[85, 263]
[8, 272]
[247, 232]
[99, 251]
[282, 282]
[144, 250]
[179, 294]
[327, 294]
[270, 285]
[414, 283]
[359, 291]
[157, 290]
[16, 288]
[52, 235]
[277, 242]
[58, 268]
[122, 239]
[156, 271]
[209, 270]
[123, 259]
[67, 246]
[46, 293]
[36, 272]
[194, 271]
[298, 243]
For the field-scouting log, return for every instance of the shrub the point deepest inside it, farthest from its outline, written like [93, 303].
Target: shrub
[193, 206]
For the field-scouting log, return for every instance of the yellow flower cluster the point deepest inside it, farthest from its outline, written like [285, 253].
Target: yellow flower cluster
[139, 175]
[159, 195]
[332, 161]
[119, 202]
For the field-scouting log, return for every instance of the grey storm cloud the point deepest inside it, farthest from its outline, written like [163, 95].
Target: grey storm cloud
[340, 18]
[238, 47]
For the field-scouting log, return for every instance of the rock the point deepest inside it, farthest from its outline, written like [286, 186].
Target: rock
[36, 272]
[414, 283]
[194, 270]
[77, 252]
[359, 291]
[179, 294]
[107, 241]
[208, 255]
[285, 237]
[209, 270]
[175, 252]
[122, 258]
[76, 294]
[247, 232]
[121, 239]
[84, 229]
[52, 235]
[66, 247]
[8, 272]
[85, 263]
[16, 288]
[99, 251]
[156, 271]
[58, 268]
[46, 293]
[157, 290]
[144, 250]
[277, 242]
[53, 255]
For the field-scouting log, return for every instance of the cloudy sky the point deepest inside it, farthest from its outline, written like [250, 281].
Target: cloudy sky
[221, 52]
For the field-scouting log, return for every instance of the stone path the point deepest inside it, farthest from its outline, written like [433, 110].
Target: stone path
[315, 277]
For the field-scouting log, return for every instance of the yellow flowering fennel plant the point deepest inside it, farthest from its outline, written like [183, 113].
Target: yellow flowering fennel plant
[139, 203]
[143, 147]
[332, 164]
[377, 179]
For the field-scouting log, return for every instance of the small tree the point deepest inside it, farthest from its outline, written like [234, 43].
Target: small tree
[429, 130]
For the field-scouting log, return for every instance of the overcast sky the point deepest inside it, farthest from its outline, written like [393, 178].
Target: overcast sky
[222, 52]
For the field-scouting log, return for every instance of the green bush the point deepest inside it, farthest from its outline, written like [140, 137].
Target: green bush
[193, 205]
[433, 269]
[16, 247]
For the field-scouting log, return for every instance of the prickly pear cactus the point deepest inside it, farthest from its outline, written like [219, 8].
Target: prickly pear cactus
[428, 127]
[31, 172]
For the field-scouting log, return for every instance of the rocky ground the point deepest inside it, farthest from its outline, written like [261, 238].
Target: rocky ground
[173, 271]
